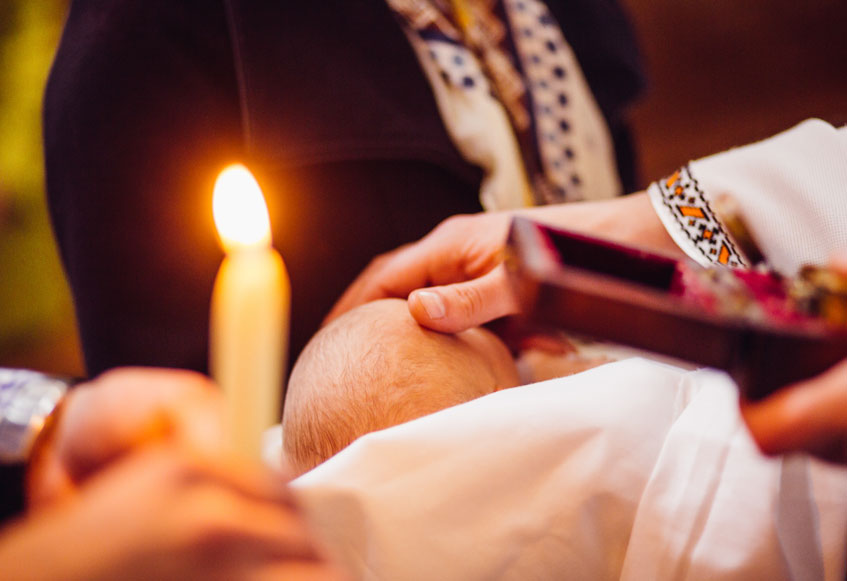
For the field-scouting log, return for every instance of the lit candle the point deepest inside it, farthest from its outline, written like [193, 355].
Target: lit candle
[250, 310]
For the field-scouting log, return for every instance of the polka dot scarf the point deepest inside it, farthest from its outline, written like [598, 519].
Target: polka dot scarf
[523, 112]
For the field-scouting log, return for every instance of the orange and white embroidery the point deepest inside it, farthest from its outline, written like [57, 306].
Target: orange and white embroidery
[690, 210]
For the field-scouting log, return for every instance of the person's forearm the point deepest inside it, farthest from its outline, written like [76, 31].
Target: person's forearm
[785, 188]
[630, 220]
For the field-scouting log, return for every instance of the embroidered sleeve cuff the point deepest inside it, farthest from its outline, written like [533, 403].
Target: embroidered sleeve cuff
[684, 210]
[788, 189]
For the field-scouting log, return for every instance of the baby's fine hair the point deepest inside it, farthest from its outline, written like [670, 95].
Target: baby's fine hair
[356, 376]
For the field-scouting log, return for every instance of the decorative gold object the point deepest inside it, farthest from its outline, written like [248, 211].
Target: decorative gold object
[821, 292]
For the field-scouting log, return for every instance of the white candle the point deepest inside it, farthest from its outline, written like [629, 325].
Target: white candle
[250, 310]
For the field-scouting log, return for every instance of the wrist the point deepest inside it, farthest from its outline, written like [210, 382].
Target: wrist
[630, 219]
[28, 400]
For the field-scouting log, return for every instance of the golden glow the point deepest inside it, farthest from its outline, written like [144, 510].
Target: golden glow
[238, 206]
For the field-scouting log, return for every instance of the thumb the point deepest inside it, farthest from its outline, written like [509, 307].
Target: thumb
[456, 307]
[808, 416]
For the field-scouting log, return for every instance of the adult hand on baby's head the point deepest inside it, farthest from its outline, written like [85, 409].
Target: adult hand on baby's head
[118, 412]
[463, 252]
[461, 261]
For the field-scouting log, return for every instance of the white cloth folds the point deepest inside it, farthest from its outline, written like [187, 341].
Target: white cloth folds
[633, 470]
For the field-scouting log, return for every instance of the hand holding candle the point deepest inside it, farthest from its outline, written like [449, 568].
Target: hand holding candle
[250, 311]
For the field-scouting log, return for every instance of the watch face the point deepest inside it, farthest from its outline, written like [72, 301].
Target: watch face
[26, 399]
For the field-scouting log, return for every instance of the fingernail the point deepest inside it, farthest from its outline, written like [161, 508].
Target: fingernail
[432, 303]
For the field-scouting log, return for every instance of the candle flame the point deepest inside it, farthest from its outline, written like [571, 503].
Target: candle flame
[241, 215]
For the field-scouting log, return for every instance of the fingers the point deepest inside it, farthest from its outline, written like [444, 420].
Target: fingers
[238, 508]
[384, 277]
[399, 272]
[213, 517]
[207, 501]
[126, 408]
[807, 416]
[118, 412]
[189, 511]
[456, 307]
[174, 515]
[460, 248]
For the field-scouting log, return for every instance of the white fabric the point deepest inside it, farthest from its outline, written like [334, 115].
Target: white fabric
[633, 470]
[791, 189]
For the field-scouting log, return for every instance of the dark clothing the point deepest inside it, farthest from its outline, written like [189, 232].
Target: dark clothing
[325, 101]
[11, 491]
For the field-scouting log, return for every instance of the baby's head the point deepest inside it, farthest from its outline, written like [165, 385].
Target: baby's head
[375, 367]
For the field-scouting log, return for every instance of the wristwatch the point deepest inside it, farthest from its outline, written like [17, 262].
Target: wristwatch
[27, 399]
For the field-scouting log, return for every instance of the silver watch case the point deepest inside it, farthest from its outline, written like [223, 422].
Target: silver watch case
[27, 398]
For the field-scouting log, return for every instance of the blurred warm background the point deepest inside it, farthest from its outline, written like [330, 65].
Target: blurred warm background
[728, 72]
[723, 73]
[36, 324]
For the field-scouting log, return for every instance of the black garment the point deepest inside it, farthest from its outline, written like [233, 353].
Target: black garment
[11, 491]
[325, 101]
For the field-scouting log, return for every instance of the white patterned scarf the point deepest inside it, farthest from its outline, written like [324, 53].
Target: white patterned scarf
[523, 112]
